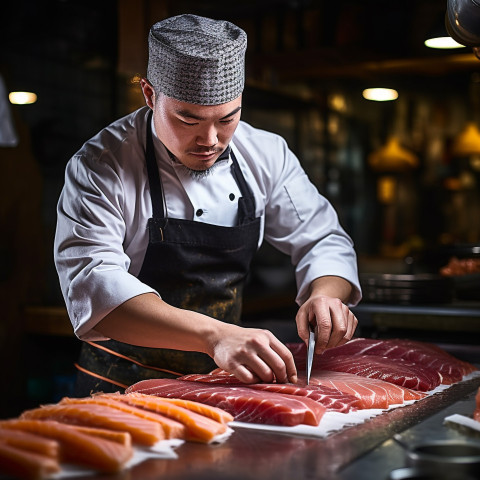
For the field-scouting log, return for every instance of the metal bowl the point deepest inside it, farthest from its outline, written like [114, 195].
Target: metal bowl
[409, 473]
[446, 458]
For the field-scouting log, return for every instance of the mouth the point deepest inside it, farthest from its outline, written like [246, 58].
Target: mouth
[205, 156]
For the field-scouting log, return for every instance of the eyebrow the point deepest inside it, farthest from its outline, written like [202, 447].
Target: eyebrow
[188, 114]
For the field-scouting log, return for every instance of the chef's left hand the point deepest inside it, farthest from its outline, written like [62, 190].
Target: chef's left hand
[333, 321]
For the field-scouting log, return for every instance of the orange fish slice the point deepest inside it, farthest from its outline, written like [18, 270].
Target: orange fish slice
[30, 442]
[199, 427]
[143, 431]
[77, 447]
[208, 411]
[26, 464]
[123, 438]
[171, 428]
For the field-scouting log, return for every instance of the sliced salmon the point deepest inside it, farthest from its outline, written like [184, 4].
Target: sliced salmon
[199, 428]
[143, 431]
[26, 464]
[206, 410]
[77, 447]
[30, 442]
[171, 428]
[123, 438]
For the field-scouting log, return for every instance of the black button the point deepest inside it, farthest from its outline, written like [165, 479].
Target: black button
[231, 197]
[199, 212]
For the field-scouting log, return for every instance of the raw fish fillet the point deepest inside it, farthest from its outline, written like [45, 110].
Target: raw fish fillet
[29, 441]
[397, 371]
[332, 400]
[476, 413]
[244, 404]
[171, 428]
[422, 353]
[76, 447]
[143, 431]
[20, 463]
[371, 392]
[198, 428]
[206, 410]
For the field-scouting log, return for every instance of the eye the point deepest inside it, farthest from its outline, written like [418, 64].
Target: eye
[226, 122]
[188, 123]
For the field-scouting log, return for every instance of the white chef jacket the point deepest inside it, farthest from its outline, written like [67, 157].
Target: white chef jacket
[101, 235]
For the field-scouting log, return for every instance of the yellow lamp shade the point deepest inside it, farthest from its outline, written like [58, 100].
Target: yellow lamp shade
[467, 141]
[392, 157]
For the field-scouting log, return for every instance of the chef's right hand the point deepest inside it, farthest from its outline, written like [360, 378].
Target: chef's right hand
[253, 355]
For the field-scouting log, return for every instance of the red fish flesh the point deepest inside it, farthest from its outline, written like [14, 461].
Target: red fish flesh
[246, 405]
[397, 371]
[423, 354]
[371, 392]
[332, 400]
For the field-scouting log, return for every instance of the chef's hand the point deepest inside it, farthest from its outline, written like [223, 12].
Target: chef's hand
[324, 310]
[253, 355]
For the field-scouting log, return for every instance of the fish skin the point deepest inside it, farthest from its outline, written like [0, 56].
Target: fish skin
[332, 400]
[244, 404]
[143, 431]
[77, 447]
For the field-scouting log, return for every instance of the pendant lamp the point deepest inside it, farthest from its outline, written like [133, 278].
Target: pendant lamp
[392, 157]
[467, 142]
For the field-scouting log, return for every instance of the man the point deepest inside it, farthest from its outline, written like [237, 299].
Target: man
[162, 212]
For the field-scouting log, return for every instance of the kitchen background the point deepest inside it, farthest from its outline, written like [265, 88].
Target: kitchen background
[403, 175]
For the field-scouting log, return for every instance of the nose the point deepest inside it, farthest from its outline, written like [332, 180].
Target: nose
[208, 137]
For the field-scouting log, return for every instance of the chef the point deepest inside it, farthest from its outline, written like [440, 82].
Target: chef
[162, 212]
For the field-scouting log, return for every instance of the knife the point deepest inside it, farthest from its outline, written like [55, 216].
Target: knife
[310, 351]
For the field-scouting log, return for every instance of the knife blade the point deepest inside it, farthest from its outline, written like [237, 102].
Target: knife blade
[310, 351]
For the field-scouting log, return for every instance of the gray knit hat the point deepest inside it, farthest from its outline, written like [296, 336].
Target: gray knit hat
[197, 60]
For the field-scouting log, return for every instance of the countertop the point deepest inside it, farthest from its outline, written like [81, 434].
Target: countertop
[363, 452]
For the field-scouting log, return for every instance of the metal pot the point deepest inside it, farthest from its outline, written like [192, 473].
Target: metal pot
[446, 459]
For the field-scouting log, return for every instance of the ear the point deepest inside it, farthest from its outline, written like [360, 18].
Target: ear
[148, 92]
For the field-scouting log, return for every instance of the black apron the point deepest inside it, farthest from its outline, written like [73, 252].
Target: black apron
[194, 266]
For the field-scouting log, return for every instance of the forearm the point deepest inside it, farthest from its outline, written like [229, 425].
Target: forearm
[331, 286]
[148, 321]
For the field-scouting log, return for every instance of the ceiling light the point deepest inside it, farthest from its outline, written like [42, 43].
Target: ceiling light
[392, 157]
[442, 43]
[22, 98]
[467, 142]
[380, 94]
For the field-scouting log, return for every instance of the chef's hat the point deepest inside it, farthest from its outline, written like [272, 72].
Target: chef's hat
[197, 60]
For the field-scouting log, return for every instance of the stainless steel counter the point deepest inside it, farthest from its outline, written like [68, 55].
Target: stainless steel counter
[362, 452]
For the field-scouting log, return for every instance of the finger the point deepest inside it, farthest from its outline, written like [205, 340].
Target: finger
[245, 375]
[287, 371]
[352, 326]
[339, 316]
[323, 328]
[301, 320]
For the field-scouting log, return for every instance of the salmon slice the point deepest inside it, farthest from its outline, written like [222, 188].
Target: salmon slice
[198, 427]
[206, 410]
[372, 393]
[170, 427]
[210, 411]
[143, 431]
[123, 438]
[76, 447]
[26, 464]
[30, 442]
